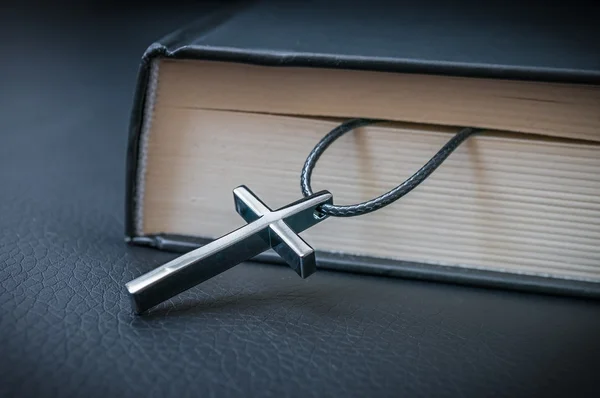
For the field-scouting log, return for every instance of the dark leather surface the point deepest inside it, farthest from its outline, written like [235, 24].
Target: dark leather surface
[65, 323]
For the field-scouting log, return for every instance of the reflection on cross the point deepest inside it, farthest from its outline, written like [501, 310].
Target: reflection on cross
[265, 229]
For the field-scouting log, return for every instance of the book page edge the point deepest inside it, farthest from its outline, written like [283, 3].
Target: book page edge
[149, 106]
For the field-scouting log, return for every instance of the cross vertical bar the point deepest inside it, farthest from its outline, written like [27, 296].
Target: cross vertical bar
[265, 229]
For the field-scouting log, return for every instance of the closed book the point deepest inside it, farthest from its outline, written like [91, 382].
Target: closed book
[243, 94]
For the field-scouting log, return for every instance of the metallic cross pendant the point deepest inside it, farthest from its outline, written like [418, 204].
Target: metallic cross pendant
[265, 229]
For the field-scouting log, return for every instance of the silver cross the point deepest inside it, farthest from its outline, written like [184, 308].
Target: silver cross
[265, 229]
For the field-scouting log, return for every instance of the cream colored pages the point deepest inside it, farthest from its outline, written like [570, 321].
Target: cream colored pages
[499, 202]
[558, 110]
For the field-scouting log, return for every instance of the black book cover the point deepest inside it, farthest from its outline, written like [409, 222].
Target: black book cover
[539, 42]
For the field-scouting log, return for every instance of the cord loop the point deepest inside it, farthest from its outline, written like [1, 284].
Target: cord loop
[388, 197]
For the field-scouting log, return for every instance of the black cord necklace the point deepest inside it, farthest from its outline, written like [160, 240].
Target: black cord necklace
[388, 197]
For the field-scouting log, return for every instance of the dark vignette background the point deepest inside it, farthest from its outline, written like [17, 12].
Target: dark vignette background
[67, 75]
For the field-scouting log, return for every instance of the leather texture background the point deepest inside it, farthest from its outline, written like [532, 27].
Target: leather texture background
[66, 328]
